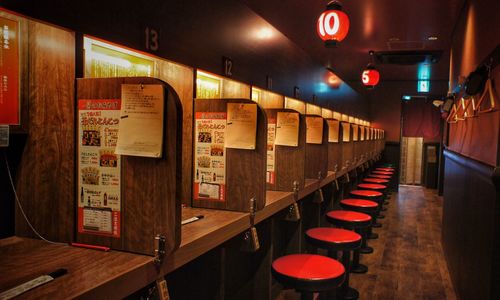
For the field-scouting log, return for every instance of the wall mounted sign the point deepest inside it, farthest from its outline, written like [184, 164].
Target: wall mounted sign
[9, 72]
[271, 151]
[210, 156]
[99, 180]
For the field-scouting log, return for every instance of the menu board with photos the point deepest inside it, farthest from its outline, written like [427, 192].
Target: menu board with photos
[9, 72]
[333, 131]
[99, 181]
[346, 132]
[210, 156]
[271, 151]
[287, 129]
[314, 130]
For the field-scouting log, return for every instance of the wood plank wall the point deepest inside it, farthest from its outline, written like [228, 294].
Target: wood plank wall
[45, 179]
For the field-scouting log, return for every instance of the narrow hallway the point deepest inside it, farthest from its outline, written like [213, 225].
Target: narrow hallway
[408, 261]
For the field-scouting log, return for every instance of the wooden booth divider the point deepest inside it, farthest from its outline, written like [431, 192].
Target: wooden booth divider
[347, 146]
[335, 162]
[245, 169]
[289, 161]
[149, 204]
[316, 162]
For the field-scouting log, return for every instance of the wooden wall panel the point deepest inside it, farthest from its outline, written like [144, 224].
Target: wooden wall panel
[245, 169]
[150, 187]
[470, 226]
[45, 179]
[181, 79]
[289, 161]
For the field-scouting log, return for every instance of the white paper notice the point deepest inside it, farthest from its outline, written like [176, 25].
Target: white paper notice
[346, 132]
[354, 132]
[314, 130]
[141, 120]
[241, 128]
[287, 129]
[271, 151]
[333, 131]
[362, 133]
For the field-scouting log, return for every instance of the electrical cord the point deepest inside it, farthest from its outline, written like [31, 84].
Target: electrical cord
[21, 208]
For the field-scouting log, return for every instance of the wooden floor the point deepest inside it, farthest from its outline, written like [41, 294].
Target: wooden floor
[408, 261]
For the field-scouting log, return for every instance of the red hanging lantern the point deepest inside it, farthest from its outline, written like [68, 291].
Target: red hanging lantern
[370, 76]
[333, 24]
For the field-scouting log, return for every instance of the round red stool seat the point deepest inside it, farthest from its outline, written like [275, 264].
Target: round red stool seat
[349, 219]
[366, 193]
[372, 186]
[333, 238]
[308, 272]
[383, 173]
[375, 180]
[361, 203]
[385, 169]
[379, 176]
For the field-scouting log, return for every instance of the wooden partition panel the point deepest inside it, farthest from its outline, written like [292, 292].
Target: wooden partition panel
[347, 150]
[150, 187]
[245, 169]
[316, 162]
[335, 152]
[45, 178]
[289, 161]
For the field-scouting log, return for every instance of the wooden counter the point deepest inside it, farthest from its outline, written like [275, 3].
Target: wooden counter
[116, 274]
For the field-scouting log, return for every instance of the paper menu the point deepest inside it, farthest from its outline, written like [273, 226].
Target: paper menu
[241, 128]
[314, 130]
[141, 120]
[333, 131]
[346, 132]
[287, 129]
[354, 132]
[362, 133]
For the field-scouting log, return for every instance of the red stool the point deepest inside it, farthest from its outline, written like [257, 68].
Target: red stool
[383, 173]
[375, 180]
[379, 176]
[308, 273]
[333, 240]
[351, 220]
[385, 169]
[367, 207]
[373, 196]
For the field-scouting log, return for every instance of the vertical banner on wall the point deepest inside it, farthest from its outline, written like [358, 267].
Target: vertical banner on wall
[210, 156]
[9, 71]
[271, 151]
[99, 199]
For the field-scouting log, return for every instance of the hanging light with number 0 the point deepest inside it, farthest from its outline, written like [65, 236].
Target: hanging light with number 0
[333, 24]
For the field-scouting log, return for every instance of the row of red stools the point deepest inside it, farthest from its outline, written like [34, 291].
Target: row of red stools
[312, 273]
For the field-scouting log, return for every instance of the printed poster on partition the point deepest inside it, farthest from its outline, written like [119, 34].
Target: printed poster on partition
[361, 133]
[355, 132]
[210, 156]
[271, 151]
[333, 131]
[314, 130]
[346, 132]
[98, 167]
[287, 129]
[9, 72]
[241, 126]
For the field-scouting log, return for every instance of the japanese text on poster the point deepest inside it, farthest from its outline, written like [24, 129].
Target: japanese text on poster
[141, 126]
[9, 72]
[98, 167]
[271, 151]
[354, 132]
[287, 129]
[346, 132]
[314, 130]
[333, 131]
[241, 126]
[210, 156]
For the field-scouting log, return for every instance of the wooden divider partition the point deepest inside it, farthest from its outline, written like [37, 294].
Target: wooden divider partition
[245, 169]
[316, 166]
[335, 161]
[150, 187]
[347, 146]
[289, 161]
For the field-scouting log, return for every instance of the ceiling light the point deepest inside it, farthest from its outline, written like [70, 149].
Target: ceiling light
[432, 38]
[333, 24]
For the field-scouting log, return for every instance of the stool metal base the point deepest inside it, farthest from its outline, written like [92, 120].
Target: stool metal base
[366, 250]
[376, 225]
[380, 216]
[359, 269]
[350, 294]
[373, 236]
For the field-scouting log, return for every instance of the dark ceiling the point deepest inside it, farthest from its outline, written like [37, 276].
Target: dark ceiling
[378, 25]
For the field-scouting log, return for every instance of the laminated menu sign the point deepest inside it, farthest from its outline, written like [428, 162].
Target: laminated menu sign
[141, 120]
[271, 151]
[287, 129]
[333, 131]
[241, 126]
[98, 167]
[346, 132]
[314, 130]
[9, 72]
[355, 132]
[210, 156]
